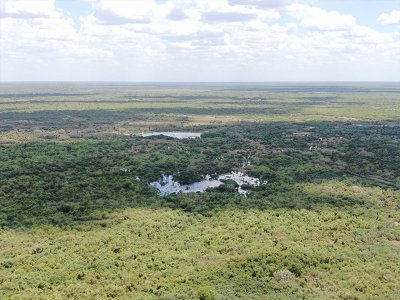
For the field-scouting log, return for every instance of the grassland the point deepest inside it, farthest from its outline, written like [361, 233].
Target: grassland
[76, 223]
[40, 111]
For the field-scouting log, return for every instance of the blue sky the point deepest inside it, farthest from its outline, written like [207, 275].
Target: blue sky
[203, 40]
[365, 11]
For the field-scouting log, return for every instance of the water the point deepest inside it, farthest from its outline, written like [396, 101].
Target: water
[242, 179]
[167, 185]
[172, 134]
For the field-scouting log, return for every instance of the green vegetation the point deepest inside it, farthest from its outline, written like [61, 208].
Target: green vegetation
[94, 110]
[78, 219]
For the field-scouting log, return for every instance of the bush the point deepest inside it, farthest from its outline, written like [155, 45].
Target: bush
[206, 293]
[283, 276]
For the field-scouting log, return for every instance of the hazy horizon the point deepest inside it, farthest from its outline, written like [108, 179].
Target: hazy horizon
[199, 82]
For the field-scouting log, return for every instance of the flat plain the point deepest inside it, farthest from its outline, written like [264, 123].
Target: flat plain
[79, 220]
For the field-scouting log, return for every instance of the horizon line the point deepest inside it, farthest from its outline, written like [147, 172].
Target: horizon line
[132, 81]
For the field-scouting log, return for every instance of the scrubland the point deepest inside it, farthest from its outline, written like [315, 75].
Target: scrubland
[78, 219]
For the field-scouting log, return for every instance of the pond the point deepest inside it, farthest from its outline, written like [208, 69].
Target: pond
[167, 185]
[172, 134]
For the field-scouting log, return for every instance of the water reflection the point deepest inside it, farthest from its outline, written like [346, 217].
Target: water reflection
[167, 185]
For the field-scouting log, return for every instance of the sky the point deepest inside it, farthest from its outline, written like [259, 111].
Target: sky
[199, 40]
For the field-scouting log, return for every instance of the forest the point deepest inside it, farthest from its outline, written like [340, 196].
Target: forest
[79, 219]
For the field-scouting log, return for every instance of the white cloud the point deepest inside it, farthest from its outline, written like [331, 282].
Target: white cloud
[216, 16]
[263, 3]
[110, 12]
[319, 19]
[392, 18]
[177, 14]
[26, 9]
[180, 39]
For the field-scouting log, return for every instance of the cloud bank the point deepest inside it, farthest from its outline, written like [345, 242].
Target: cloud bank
[188, 40]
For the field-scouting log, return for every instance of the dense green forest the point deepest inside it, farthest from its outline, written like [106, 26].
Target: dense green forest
[79, 220]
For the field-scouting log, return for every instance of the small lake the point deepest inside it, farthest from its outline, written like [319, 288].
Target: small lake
[172, 134]
[167, 185]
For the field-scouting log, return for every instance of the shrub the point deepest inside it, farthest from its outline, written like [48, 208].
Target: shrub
[283, 276]
[206, 293]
